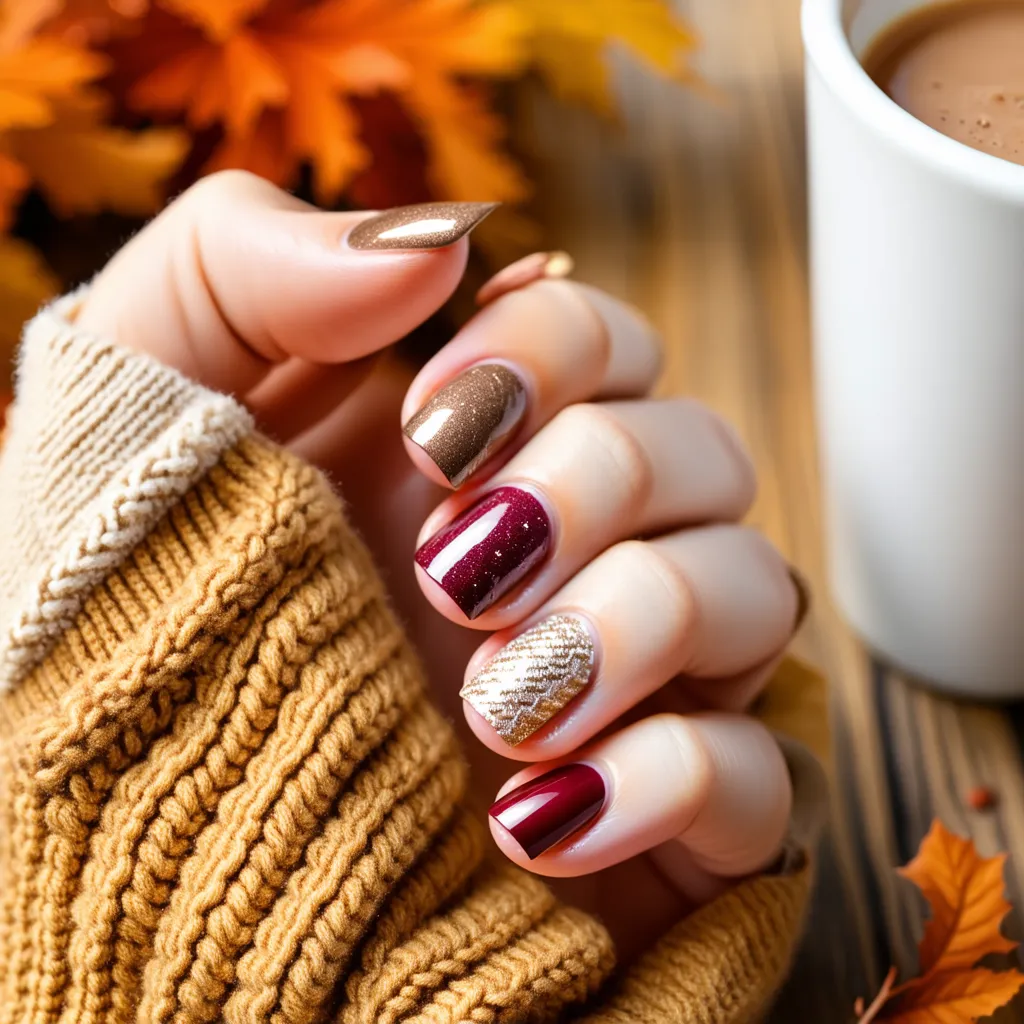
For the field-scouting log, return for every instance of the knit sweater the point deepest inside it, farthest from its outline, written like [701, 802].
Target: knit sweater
[224, 793]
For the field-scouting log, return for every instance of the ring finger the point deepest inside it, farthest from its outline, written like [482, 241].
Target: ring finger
[595, 475]
[713, 605]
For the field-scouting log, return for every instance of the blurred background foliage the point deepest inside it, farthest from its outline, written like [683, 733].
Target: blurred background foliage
[108, 107]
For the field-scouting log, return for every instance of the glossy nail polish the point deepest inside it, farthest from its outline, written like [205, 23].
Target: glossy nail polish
[469, 419]
[486, 551]
[533, 677]
[423, 226]
[541, 813]
[536, 267]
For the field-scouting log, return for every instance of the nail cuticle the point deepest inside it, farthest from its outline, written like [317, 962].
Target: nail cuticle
[553, 807]
[489, 548]
[467, 421]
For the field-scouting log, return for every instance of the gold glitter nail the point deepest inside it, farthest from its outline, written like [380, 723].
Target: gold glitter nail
[424, 226]
[533, 677]
[469, 419]
[536, 267]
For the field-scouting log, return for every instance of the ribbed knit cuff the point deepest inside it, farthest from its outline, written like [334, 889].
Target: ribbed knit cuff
[100, 443]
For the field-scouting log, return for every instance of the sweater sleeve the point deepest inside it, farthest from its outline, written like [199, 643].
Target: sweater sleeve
[224, 794]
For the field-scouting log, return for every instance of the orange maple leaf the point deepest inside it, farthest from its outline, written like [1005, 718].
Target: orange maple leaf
[25, 283]
[279, 78]
[965, 894]
[963, 995]
[83, 165]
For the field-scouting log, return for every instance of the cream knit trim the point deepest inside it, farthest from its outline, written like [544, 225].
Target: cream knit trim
[101, 441]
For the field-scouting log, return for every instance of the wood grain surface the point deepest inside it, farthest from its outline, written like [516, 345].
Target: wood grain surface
[694, 209]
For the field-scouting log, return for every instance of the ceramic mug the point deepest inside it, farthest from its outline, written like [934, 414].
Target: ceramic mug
[917, 259]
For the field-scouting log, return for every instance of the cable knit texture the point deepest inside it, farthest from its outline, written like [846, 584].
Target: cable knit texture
[224, 795]
[85, 479]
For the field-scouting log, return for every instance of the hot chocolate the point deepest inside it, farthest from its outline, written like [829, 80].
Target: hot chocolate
[959, 68]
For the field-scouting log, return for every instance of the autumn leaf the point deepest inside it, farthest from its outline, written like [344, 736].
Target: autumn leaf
[37, 74]
[281, 81]
[25, 283]
[82, 165]
[219, 18]
[19, 20]
[955, 996]
[965, 894]
[572, 39]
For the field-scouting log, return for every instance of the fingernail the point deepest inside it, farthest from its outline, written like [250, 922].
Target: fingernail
[486, 551]
[424, 226]
[803, 596]
[543, 812]
[533, 677]
[531, 268]
[469, 419]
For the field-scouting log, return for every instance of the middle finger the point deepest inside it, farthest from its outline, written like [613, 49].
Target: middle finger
[595, 475]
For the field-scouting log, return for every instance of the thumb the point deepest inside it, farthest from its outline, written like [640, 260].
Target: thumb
[237, 276]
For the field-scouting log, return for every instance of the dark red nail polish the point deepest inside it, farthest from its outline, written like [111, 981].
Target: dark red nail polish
[488, 549]
[543, 812]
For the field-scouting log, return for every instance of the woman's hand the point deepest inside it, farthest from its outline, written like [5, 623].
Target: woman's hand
[594, 532]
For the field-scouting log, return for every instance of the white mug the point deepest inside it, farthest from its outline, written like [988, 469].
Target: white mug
[917, 260]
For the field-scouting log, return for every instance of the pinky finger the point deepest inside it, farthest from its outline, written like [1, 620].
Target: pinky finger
[713, 787]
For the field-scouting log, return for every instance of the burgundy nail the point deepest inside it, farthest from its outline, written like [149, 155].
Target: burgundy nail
[543, 812]
[486, 551]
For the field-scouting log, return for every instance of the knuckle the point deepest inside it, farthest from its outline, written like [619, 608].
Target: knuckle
[745, 474]
[663, 581]
[627, 466]
[222, 186]
[576, 296]
[686, 756]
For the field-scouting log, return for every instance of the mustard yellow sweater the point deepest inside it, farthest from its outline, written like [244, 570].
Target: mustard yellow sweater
[224, 794]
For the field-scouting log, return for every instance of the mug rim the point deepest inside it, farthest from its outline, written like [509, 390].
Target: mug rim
[827, 46]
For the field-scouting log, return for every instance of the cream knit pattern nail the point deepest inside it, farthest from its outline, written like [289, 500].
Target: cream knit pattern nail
[224, 793]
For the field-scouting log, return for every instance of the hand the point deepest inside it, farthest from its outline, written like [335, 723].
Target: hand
[603, 520]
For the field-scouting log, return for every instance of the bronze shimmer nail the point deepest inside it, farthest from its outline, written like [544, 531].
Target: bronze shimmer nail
[423, 226]
[469, 419]
[533, 677]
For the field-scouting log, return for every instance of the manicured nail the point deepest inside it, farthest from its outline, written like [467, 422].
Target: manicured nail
[487, 550]
[424, 226]
[543, 812]
[469, 419]
[533, 677]
[531, 268]
[803, 596]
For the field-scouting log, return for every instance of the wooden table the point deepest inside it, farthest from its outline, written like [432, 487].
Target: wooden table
[695, 211]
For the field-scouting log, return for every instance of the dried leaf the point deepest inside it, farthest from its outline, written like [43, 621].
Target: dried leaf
[573, 38]
[25, 284]
[35, 75]
[953, 997]
[14, 180]
[83, 166]
[20, 19]
[218, 18]
[296, 72]
[965, 893]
